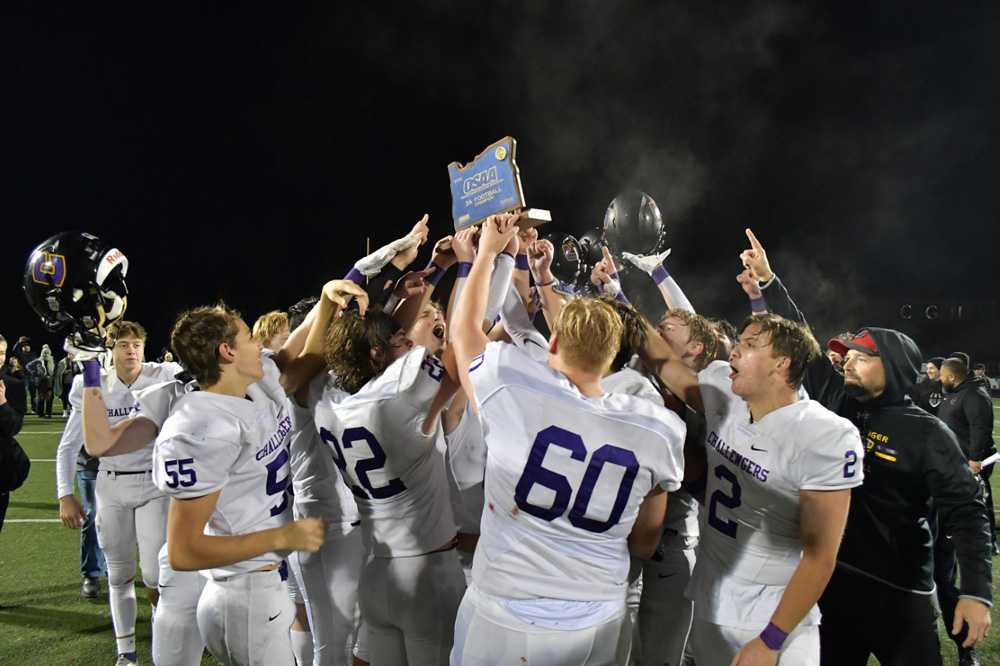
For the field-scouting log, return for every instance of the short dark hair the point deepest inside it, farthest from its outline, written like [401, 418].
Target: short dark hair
[299, 311]
[979, 366]
[196, 337]
[956, 365]
[349, 343]
[789, 339]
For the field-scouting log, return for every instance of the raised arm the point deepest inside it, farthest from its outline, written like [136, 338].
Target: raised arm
[653, 265]
[442, 258]
[540, 255]
[468, 337]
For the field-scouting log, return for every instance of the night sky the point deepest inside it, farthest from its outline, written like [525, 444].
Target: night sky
[245, 154]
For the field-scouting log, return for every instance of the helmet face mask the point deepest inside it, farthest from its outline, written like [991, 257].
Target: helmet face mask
[76, 285]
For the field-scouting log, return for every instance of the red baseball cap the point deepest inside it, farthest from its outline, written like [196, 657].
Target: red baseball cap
[861, 341]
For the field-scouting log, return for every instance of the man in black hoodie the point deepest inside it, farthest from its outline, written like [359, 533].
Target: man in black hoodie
[879, 599]
[968, 410]
[927, 393]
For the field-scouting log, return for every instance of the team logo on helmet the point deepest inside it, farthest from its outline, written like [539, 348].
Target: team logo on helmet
[49, 270]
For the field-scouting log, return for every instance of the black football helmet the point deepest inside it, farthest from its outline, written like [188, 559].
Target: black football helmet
[76, 284]
[633, 223]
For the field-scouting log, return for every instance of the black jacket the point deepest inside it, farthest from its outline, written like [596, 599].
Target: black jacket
[911, 458]
[14, 463]
[968, 411]
[928, 394]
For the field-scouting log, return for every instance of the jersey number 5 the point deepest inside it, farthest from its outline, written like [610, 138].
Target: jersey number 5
[535, 473]
[175, 469]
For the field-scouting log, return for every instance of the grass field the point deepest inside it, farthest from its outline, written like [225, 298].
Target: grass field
[44, 621]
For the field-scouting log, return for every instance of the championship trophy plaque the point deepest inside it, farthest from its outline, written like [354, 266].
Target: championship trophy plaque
[488, 185]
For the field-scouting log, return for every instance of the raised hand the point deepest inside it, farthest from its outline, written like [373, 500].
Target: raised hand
[420, 230]
[340, 293]
[756, 259]
[443, 254]
[464, 245]
[599, 275]
[3, 393]
[608, 261]
[497, 231]
[412, 284]
[748, 281]
[648, 263]
[526, 237]
[540, 256]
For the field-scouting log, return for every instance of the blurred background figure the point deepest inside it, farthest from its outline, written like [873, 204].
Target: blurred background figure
[271, 329]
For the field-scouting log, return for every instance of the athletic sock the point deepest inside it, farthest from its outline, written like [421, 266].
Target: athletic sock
[302, 646]
[121, 598]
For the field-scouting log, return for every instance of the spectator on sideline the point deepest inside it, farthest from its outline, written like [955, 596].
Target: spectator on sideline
[22, 352]
[14, 463]
[66, 369]
[42, 370]
[927, 393]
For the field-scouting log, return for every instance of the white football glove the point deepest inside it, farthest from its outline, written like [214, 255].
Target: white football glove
[647, 263]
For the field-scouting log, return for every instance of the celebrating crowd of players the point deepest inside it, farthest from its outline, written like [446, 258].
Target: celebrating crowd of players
[370, 481]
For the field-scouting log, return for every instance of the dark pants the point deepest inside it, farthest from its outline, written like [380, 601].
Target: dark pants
[44, 406]
[91, 557]
[30, 385]
[862, 617]
[4, 501]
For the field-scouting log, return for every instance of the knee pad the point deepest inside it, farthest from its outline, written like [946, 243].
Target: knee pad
[119, 575]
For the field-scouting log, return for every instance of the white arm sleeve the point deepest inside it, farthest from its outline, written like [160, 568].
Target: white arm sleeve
[518, 325]
[71, 442]
[680, 301]
[503, 272]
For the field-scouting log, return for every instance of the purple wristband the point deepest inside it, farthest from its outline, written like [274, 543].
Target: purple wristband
[436, 276]
[356, 276]
[773, 637]
[521, 262]
[91, 373]
[614, 276]
[464, 268]
[623, 298]
[758, 305]
[659, 274]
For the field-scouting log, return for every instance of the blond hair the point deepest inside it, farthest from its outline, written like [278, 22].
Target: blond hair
[590, 334]
[269, 325]
[124, 329]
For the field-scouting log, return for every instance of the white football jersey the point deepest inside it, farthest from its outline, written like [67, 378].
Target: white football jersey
[682, 509]
[750, 543]
[120, 401]
[393, 469]
[238, 446]
[465, 454]
[565, 475]
[319, 490]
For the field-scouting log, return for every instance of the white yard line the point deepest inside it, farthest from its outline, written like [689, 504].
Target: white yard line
[43, 460]
[31, 520]
[39, 432]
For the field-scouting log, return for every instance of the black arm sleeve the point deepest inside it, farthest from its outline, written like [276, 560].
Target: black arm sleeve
[957, 493]
[979, 413]
[377, 291]
[10, 420]
[824, 384]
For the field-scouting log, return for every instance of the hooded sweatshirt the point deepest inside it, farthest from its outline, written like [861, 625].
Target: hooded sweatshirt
[911, 459]
[968, 411]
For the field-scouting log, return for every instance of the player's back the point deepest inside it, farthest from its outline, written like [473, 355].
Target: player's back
[565, 476]
[375, 436]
